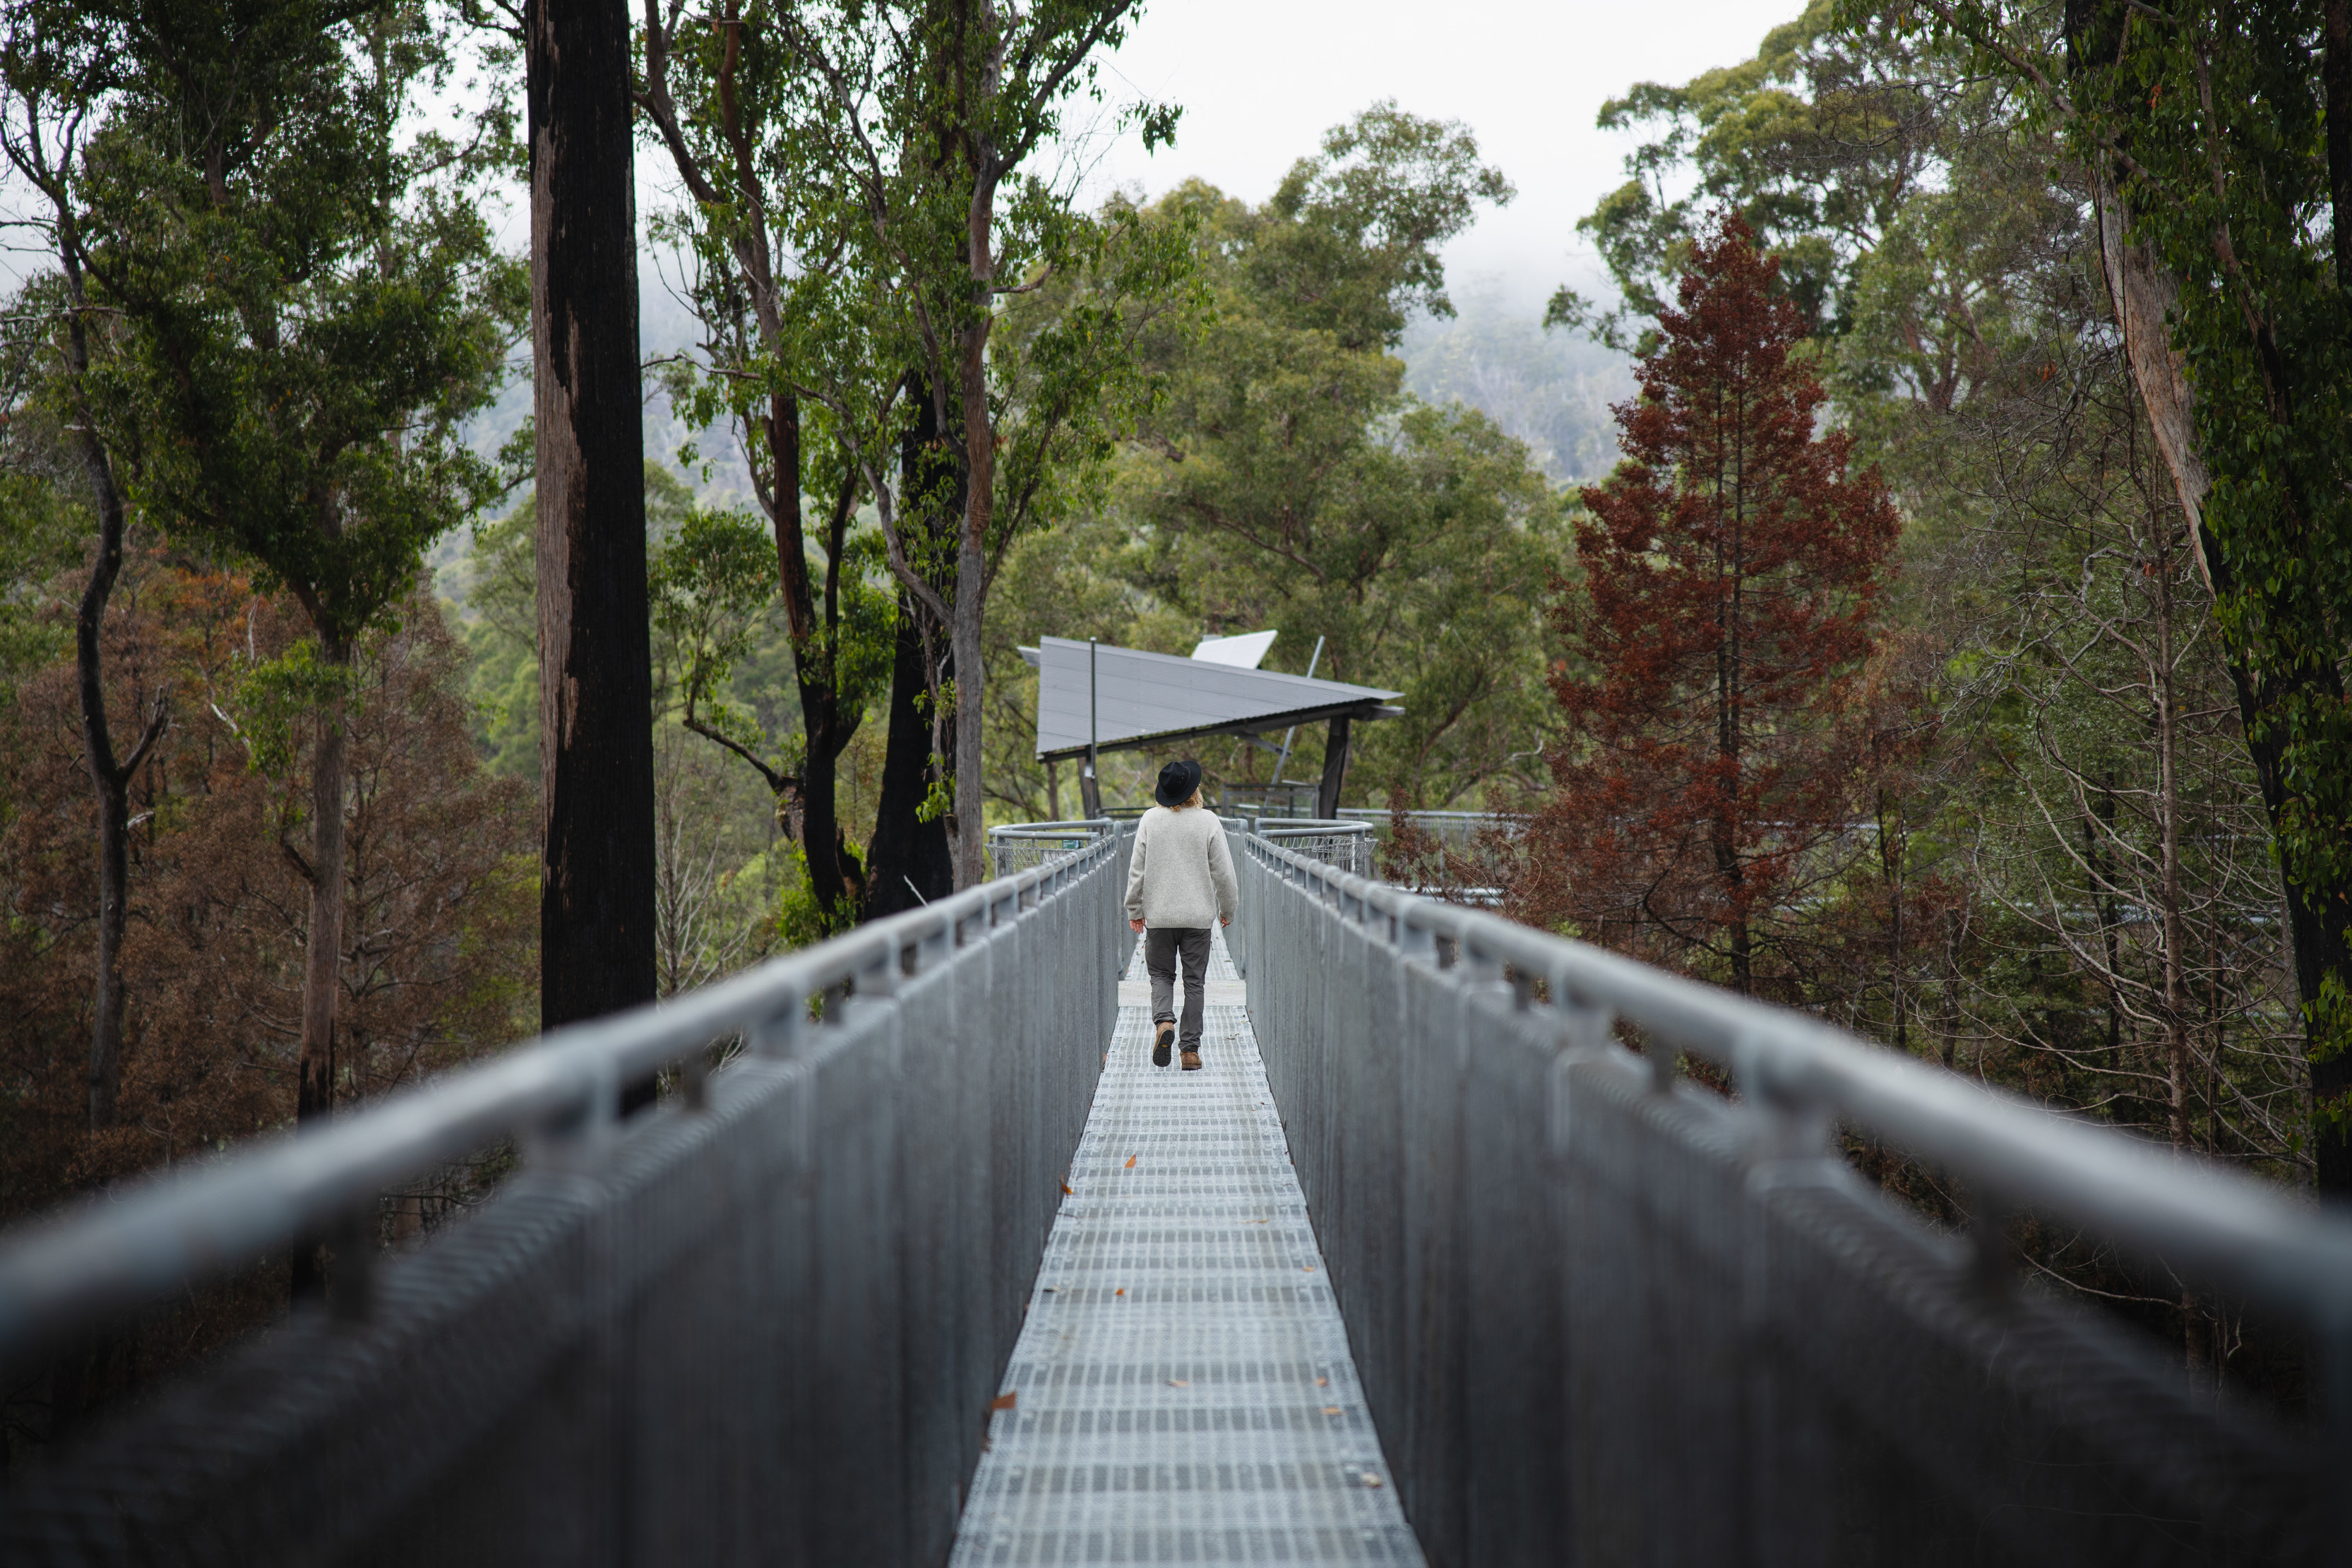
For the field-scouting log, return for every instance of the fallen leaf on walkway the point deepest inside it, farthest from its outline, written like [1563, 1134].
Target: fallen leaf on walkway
[1179, 1383]
[1130, 1162]
[1322, 1383]
[1120, 1291]
[1065, 1190]
[1331, 1409]
[1005, 1401]
[1372, 1480]
[1307, 1268]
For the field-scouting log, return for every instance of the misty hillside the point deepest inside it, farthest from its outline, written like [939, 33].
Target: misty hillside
[1551, 389]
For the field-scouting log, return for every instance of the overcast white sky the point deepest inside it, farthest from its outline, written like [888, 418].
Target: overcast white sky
[1261, 80]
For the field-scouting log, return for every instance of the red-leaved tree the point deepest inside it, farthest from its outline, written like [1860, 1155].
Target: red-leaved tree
[1714, 756]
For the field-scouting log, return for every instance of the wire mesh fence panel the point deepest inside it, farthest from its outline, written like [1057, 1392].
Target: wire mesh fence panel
[1347, 846]
[1025, 846]
[1603, 1316]
[762, 1323]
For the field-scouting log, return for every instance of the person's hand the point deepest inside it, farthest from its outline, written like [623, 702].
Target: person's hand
[1225, 920]
[1135, 925]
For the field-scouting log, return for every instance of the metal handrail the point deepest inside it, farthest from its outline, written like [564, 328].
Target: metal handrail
[138, 1243]
[2178, 1210]
[1310, 827]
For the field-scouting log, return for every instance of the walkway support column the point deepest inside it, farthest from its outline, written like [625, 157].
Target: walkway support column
[1335, 769]
[1090, 785]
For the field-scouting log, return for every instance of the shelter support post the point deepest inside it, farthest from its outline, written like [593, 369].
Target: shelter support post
[1335, 769]
[1089, 787]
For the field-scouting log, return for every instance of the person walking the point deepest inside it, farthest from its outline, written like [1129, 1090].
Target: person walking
[1180, 879]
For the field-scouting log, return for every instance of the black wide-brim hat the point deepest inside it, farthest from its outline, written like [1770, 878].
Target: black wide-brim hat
[1177, 782]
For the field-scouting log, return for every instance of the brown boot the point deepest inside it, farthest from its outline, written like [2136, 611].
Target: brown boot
[1161, 1045]
[1191, 1062]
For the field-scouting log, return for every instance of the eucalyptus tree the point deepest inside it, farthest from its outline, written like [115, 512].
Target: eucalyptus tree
[309, 307]
[1288, 481]
[2217, 145]
[895, 182]
[599, 860]
[731, 108]
[57, 68]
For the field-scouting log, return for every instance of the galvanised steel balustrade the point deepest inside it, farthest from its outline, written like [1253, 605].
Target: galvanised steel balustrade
[1601, 1316]
[1346, 845]
[1018, 846]
[1605, 1316]
[760, 1323]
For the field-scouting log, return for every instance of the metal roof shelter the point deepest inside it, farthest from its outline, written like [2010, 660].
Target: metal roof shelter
[1093, 697]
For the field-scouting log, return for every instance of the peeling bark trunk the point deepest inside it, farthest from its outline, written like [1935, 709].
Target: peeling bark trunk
[2142, 291]
[2318, 920]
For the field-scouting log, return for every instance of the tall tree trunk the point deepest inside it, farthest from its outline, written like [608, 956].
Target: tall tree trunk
[816, 650]
[2167, 804]
[968, 819]
[113, 920]
[911, 861]
[967, 823]
[323, 943]
[1731, 678]
[1890, 862]
[2318, 919]
[314, 1089]
[597, 894]
[2335, 84]
[110, 777]
[907, 863]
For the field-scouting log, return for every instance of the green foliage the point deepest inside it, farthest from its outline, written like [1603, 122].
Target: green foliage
[711, 583]
[494, 589]
[312, 307]
[1284, 479]
[1349, 240]
[802, 920]
[1882, 178]
[2210, 121]
[274, 701]
[42, 519]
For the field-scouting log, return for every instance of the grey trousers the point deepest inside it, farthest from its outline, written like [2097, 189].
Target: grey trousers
[1162, 945]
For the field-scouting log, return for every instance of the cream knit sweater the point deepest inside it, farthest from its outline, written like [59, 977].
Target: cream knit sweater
[1182, 874]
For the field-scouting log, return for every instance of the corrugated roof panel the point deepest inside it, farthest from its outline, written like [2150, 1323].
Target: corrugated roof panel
[1137, 694]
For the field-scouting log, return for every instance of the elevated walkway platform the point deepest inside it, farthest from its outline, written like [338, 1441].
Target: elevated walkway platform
[1181, 1390]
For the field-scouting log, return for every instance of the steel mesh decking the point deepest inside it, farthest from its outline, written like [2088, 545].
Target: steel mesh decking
[1182, 1387]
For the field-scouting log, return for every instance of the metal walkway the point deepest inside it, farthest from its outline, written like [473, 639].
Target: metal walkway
[1182, 1391]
